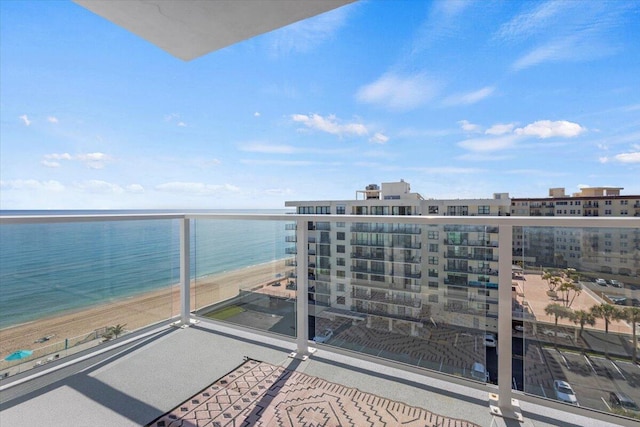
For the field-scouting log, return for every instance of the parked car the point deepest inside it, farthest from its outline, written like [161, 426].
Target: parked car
[490, 340]
[324, 336]
[617, 284]
[479, 372]
[621, 400]
[564, 392]
[601, 282]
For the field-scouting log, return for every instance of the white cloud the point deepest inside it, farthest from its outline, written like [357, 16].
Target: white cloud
[274, 162]
[95, 160]
[134, 188]
[305, 35]
[52, 119]
[532, 22]
[25, 120]
[196, 188]
[50, 164]
[379, 138]
[256, 114]
[469, 127]
[500, 129]
[265, 148]
[32, 184]
[547, 129]
[58, 156]
[489, 144]
[330, 124]
[399, 92]
[633, 157]
[278, 191]
[469, 97]
[99, 187]
[182, 124]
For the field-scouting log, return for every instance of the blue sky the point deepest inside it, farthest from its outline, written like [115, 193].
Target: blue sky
[461, 99]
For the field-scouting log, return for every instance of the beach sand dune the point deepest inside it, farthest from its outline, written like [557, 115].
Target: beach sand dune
[135, 312]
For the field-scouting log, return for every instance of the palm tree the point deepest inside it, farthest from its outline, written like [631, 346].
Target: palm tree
[116, 330]
[632, 315]
[583, 317]
[608, 313]
[567, 287]
[557, 311]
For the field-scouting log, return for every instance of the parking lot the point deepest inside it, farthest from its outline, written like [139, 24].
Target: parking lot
[591, 377]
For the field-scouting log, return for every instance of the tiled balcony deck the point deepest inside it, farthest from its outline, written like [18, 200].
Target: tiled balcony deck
[138, 383]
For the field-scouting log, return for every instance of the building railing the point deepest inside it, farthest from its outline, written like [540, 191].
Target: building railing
[265, 295]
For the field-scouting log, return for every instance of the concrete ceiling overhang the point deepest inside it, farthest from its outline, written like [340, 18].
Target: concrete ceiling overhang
[188, 29]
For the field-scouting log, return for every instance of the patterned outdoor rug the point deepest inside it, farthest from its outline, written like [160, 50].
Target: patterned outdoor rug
[261, 394]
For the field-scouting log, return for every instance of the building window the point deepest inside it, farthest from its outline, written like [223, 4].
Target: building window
[306, 210]
[341, 300]
[484, 210]
[433, 284]
[433, 247]
[433, 260]
[361, 210]
[340, 224]
[433, 210]
[433, 272]
[341, 209]
[340, 249]
[323, 210]
[340, 273]
[340, 262]
[433, 298]
[433, 235]
[340, 235]
[340, 287]
[607, 211]
[607, 202]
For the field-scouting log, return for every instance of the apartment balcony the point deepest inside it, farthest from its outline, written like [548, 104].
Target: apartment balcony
[470, 256]
[385, 228]
[387, 299]
[480, 243]
[471, 270]
[172, 333]
[386, 244]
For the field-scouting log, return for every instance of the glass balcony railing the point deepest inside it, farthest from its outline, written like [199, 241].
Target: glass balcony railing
[559, 310]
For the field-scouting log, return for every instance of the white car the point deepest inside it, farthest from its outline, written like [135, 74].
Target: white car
[564, 392]
[324, 336]
[490, 340]
[601, 282]
[479, 373]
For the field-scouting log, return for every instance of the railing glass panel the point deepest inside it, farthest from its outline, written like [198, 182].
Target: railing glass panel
[243, 274]
[576, 299]
[382, 306]
[68, 286]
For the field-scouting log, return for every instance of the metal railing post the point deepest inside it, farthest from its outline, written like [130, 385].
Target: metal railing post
[302, 293]
[185, 272]
[506, 406]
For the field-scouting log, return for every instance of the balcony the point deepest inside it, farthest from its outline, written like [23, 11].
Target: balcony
[253, 315]
[385, 228]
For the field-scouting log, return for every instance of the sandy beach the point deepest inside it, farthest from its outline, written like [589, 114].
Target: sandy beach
[134, 312]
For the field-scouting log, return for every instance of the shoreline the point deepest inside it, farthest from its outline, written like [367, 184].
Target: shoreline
[194, 280]
[134, 311]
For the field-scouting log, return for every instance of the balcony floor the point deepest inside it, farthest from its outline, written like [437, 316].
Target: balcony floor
[137, 383]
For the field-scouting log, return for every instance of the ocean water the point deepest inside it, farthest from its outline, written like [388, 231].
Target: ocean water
[51, 268]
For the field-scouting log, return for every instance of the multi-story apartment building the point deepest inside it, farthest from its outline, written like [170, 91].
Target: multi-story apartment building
[405, 273]
[413, 274]
[612, 251]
